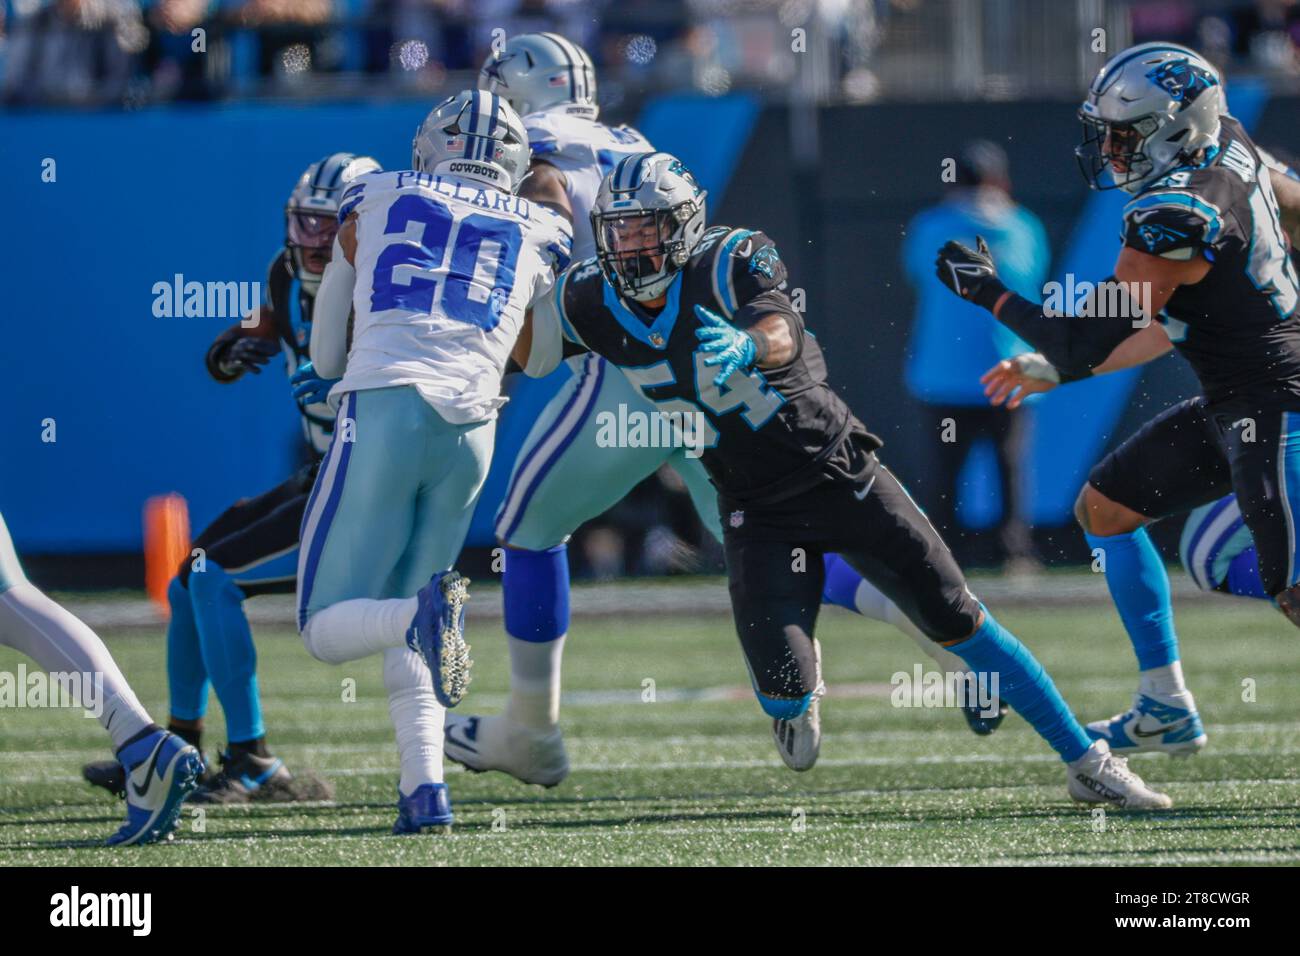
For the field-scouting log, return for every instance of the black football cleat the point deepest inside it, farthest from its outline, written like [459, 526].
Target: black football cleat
[979, 723]
[245, 777]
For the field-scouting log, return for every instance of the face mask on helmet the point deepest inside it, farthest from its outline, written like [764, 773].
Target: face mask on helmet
[1115, 154]
[637, 249]
[310, 237]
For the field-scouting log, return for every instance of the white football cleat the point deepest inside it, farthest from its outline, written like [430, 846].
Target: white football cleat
[1158, 724]
[1100, 776]
[799, 741]
[496, 743]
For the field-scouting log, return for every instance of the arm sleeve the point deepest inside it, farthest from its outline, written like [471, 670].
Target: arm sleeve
[329, 325]
[1076, 344]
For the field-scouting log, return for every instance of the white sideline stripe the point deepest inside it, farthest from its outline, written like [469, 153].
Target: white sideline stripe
[746, 763]
[589, 741]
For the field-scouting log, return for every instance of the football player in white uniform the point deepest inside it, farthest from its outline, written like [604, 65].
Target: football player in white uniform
[440, 264]
[551, 82]
[160, 768]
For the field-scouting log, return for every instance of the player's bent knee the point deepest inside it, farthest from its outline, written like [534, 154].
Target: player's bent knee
[312, 634]
[1099, 515]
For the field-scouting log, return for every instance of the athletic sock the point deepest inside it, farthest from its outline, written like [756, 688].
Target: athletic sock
[536, 597]
[61, 643]
[350, 630]
[256, 748]
[228, 652]
[417, 717]
[191, 735]
[1166, 681]
[1139, 586]
[187, 677]
[994, 653]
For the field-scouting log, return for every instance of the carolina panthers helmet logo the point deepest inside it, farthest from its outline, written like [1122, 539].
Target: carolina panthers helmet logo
[1182, 79]
[764, 261]
[679, 168]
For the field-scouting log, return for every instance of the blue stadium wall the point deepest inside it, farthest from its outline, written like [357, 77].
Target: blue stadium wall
[139, 197]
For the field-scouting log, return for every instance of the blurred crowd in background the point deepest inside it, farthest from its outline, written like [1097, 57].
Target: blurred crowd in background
[131, 54]
[134, 52]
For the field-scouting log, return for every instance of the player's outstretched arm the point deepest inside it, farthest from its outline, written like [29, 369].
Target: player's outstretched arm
[1013, 380]
[1076, 345]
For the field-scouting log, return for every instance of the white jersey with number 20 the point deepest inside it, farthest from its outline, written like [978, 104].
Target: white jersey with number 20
[446, 270]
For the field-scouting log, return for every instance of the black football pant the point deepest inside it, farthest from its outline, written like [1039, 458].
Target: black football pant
[774, 566]
[1193, 454]
[254, 539]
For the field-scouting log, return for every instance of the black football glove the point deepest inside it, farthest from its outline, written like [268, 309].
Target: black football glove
[248, 354]
[970, 272]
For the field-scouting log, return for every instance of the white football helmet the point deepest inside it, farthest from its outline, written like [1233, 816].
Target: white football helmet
[473, 135]
[311, 216]
[648, 216]
[1150, 110]
[536, 71]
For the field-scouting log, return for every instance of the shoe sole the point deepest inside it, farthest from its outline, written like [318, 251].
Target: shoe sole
[181, 779]
[451, 652]
[1184, 748]
[463, 762]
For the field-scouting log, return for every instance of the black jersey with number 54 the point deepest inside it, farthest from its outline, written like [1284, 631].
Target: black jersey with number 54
[1239, 326]
[765, 434]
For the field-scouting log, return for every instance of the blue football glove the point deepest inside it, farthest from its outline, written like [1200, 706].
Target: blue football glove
[248, 354]
[731, 348]
[308, 387]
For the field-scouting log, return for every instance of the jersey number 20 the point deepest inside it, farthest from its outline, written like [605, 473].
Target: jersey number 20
[414, 271]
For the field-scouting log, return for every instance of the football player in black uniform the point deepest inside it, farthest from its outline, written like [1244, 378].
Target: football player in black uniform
[1204, 252]
[252, 547]
[701, 322]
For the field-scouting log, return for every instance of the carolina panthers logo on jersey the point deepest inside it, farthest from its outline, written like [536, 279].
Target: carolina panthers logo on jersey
[764, 261]
[1154, 234]
[1182, 80]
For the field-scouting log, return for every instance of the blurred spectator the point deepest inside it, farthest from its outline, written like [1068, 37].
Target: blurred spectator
[1267, 33]
[953, 342]
[72, 51]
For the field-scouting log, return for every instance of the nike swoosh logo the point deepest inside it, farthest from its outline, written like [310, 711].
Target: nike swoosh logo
[461, 743]
[153, 764]
[860, 495]
[743, 251]
[1137, 732]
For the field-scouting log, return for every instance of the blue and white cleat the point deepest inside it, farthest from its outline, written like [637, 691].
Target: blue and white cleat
[428, 808]
[437, 633]
[1154, 724]
[161, 771]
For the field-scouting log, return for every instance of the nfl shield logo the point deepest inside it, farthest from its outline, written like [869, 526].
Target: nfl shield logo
[656, 340]
[737, 518]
